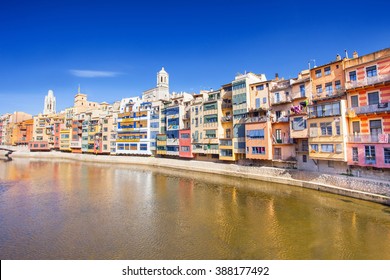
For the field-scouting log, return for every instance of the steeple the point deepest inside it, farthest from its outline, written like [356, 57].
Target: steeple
[162, 78]
[50, 103]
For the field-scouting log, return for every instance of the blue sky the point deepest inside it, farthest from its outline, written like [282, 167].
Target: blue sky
[114, 49]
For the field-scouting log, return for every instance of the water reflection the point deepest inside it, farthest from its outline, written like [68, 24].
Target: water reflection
[73, 210]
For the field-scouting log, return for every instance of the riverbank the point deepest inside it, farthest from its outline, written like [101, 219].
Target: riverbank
[367, 189]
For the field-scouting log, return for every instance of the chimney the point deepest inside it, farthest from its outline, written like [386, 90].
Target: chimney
[355, 54]
[276, 77]
[338, 57]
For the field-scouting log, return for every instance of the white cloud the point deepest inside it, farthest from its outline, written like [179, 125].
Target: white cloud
[93, 73]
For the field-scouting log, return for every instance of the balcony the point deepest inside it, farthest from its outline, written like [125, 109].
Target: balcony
[210, 125]
[186, 116]
[299, 95]
[369, 138]
[280, 119]
[226, 119]
[172, 141]
[172, 153]
[210, 112]
[369, 109]
[332, 93]
[226, 105]
[280, 100]
[281, 86]
[284, 140]
[75, 144]
[257, 119]
[367, 81]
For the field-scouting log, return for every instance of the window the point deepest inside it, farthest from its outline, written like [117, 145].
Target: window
[354, 101]
[210, 133]
[375, 129]
[313, 130]
[339, 148]
[304, 158]
[355, 154]
[314, 147]
[330, 164]
[278, 135]
[258, 150]
[337, 125]
[318, 73]
[143, 147]
[278, 114]
[298, 123]
[277, 153]
[386, 153]
[257, 102]
[260, 87]
[302, 90]
[305, 146]
[328, 88]
[185, 135]
[373, 98]
[185, 148]
[337, 85]
[327, 148]
[319, 88]
[369, 154]
[255, 134]
[264, 100]
[352, 76]
[327, 71]
[326, 129]
[371, 71]
[356, 127]
[277, 97]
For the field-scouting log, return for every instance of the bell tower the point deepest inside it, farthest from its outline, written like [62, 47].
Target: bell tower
[163, 79]
[50, 103]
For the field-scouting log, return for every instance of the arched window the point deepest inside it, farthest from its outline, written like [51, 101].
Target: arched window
[161, 79]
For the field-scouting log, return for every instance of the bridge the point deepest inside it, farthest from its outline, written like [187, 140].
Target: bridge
[7, 155]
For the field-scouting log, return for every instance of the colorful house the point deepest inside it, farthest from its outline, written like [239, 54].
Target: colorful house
[368, 91]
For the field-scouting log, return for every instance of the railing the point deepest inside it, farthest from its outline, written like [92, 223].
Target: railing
[210, 112]
[328, 94]
[375, 108]
[257, 119]
[226, 105]
[280, 100]
[298, 110]
[210, 124]
[186, 116]
[75, 144]
[277, 157]
[367, 81]
[172, 153]
[280, 119]
[226, 143]
[281, 86]
[284, 140]
[369, 138]
[297, 95]
[172, 141]
[227, 119]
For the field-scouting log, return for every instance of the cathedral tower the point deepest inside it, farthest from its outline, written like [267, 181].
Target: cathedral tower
[50, 103]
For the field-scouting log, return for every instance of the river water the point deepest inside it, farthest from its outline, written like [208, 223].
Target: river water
[74, 210]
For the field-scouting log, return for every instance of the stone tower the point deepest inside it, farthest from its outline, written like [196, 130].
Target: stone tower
[50, 103]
